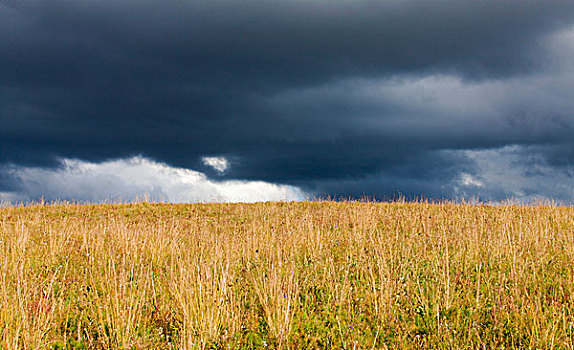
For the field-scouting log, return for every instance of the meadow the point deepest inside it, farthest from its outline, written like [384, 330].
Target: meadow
[309, 275]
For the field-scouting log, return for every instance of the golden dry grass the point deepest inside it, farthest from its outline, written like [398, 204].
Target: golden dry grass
[286, 275]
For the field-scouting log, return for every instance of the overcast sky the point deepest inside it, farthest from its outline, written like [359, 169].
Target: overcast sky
[200, 100]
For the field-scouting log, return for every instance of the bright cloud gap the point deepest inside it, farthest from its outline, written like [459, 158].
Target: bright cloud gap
[221, 164]
[136, 178]
[515, 172]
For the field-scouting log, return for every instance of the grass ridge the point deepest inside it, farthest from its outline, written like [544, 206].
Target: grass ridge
[286, 276]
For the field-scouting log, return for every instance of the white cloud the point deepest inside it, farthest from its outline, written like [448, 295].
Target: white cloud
[468, 180]
[218, 163]
[136, 178]
[515, 172]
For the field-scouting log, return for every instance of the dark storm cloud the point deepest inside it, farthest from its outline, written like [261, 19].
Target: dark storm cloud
[266, 42]
[344, 97]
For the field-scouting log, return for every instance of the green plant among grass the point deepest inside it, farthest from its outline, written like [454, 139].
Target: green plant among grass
[286, 276]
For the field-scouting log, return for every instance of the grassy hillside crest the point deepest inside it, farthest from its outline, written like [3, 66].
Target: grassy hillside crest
[286, 276]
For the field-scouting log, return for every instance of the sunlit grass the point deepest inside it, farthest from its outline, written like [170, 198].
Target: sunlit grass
[286, 275]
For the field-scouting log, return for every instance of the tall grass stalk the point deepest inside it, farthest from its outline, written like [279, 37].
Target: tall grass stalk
[287, 276]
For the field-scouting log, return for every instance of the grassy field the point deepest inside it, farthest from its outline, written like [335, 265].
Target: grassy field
[286, 275]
